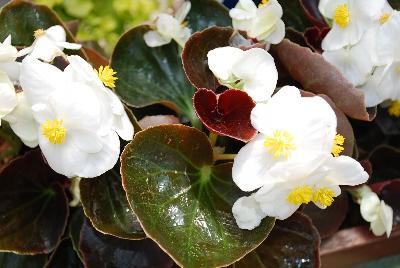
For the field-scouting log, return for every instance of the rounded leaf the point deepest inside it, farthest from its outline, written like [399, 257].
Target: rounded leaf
[182, 201]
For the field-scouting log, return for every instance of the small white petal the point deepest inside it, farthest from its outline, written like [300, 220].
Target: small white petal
[247, 213]
[154, 39]
[277, 35]
[386, 215]
[344, 170]
[56, 33]
[369, 206]
[221, 61]
[183, 11]
[8, 97]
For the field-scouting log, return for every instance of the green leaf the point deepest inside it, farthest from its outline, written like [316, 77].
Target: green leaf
[64, 256]
[105, 204]
[21, 18]
[207, 13]
[74, 229]
[11, 260]
[33, 206]
[293, 15]
[184, 202]
[99, 250]
[293, 242]
[151, 75]
[10, 144]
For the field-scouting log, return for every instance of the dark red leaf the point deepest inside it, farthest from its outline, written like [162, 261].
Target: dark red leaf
[390, 193]
[310, 8]
[314, 36]
[227, 114]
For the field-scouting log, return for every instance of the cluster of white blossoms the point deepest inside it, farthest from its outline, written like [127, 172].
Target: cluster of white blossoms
[362, 44]
[295, 159]
[71, 114]
[262, 23]
[168, 28]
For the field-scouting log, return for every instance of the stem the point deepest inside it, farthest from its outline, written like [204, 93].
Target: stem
[218, 157]
[213, 139]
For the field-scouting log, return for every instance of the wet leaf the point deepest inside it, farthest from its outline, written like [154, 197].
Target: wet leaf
[64, 257]
[293, 242]
[151, 75]
[207, 13]
[105, 204]
[31, 198]
[102, 251]
[226, 114]
[318, 76]
[390, 193]
[194, 55]
[11, 260]
[21, 18]
[183, 201]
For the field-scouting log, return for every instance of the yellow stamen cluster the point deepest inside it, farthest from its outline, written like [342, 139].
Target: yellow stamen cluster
[54, 131]
[300, 195]
[384, 18]
[337, 147]
[107, 76]
[342, 16]
[263, 3]
[280, 143]
[305, 194]
[394, 109]
[323, 196]
[38, 33]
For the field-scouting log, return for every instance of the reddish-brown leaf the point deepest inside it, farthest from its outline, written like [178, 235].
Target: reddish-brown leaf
[227, 114]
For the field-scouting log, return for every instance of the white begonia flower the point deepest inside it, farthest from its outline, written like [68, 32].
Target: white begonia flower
[22, 122]
[8, 97]
[263, 23]
[383, 84]
[351, 19]
[49, 44]
[319, 186]
[355, 63]
[75, 117]
[253, 70]
[377, 213]
[8, 55]
[292, 134]
[282, 199]
[170, 27]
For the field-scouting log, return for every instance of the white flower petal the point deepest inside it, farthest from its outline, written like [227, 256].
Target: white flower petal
[344, 170]
[247, 213]
[267, 16]
[154, 39]
[67, 45]
[8, 97]
[386, 216]
[45, 49]
[56, 33]
[221, 61]
[39, 80]
[277, 35]
[12, 69]
[256, 67]
[273, 201]
[369, 206]
[183, 11]
[87, 141]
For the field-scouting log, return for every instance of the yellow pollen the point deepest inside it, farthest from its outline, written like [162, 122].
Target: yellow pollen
[184, 24]
[263, 3]
[38, 33]
[280, 143]
[300, 195]
[107, 76]
[337, 147]
[54, 131]
[394, 109]
[384, 18]
[323, 196]
[342, 16]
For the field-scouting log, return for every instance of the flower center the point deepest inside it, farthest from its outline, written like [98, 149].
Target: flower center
[342, 16]
[323, 196]
[280, 143]
[300, 195]
[263, 3]
[337, 147]
[54, 131]
[38, 33]
[384, 18]
[394, 109]
[107, 76]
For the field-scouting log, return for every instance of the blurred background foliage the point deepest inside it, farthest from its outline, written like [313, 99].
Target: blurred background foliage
[105, 21]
